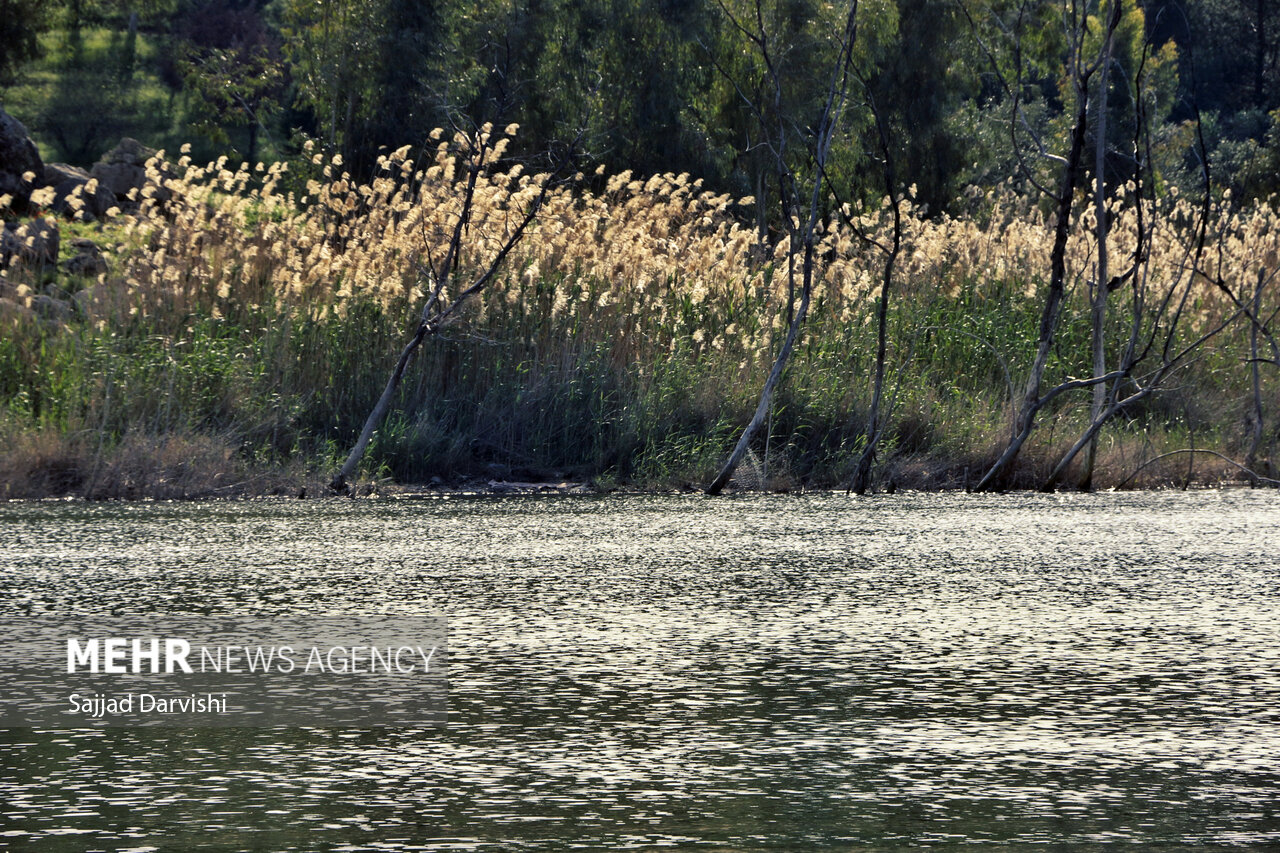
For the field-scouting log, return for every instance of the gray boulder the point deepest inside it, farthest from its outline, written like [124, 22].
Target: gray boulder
[124, 169]
[88, 259]
[34, 243]
[70, 183]
[18, 156]
[56, 311]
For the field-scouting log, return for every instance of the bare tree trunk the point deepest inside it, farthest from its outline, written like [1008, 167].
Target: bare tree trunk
[788, 196]
[439, 310]
[1137, 275]
[379, 412]
[1163, 317]
[766, 398]
[1255, 440]
[997, 476]
[1102, 275]
[862, 474]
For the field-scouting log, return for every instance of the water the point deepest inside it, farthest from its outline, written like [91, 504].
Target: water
[735, 674]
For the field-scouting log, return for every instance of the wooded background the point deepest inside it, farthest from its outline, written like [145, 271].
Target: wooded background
[255, 79]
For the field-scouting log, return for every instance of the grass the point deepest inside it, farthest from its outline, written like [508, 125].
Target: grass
[90, 89]
[243, 332]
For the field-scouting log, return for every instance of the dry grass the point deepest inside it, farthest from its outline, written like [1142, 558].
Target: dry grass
[645, 305]
[46, 464]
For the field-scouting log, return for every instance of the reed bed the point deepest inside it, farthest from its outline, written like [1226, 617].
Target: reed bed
[258, 309]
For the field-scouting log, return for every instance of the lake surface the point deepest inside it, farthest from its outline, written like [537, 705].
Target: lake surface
[746, 673]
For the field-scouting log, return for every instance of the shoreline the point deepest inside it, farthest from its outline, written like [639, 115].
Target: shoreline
[384, 491]
[46, 466]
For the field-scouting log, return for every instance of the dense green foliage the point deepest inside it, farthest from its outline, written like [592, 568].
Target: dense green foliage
[648, 82]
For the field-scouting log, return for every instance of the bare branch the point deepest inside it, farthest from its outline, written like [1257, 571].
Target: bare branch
[1253, 474]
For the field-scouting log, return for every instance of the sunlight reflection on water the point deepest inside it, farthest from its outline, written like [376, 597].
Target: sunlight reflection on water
[636, 672]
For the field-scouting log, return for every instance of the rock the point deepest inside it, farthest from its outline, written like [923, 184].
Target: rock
[18, 157]
[56, 173]
[82, 301]
[14, 312]
[71, 182]
[33, 243]
[123, 169]
[9, 243]
[88, 259]
[49, 308]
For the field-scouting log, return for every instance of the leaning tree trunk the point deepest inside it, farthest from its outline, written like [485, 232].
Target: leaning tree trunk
[997, 476]
[1255, 440]
[766, 395]
[380, 409]
[837, 93]
[862, 474]
[439, 310]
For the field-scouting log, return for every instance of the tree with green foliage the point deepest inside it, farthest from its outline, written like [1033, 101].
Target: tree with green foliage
[920, 82]
[21, 22]
[802, 36]
[229, 68]
[231, 89]
[375, 73]
[331, 51]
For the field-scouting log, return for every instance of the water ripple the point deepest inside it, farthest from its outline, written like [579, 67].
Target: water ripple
[650, 672]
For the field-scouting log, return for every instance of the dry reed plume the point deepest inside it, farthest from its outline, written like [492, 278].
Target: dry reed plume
[647, 268]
